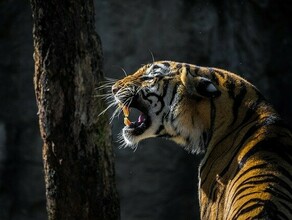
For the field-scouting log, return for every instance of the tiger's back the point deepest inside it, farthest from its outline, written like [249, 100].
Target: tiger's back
[246, 172]
[253, 178]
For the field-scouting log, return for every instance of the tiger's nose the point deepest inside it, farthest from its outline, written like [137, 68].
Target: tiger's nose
[115, 88]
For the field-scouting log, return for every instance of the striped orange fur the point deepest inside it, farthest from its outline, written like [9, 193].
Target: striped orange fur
[246, 172]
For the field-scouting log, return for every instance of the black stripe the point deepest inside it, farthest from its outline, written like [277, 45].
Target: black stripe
[177, 103]
[257, 203]
[213, 76]
[281, 195]
[240, 127]
[179, 65]
[187, 66]
[212, 118]
[145, 97]
[214, 194]
[271, 145]
[241, 198]
[218, 204]
[268, 179]
[243, 189]
[230, 85]
[240, 190]
[247, 135]
[270, 211]
[194, 71]
[161, 127]
[237, 102]
[165, 87]
[249, 113]
[174, 91]
[166, 64]
[160, 99]
[167, 116]
[221, 74]
[260, 166]
[251, 182]
[251, 110]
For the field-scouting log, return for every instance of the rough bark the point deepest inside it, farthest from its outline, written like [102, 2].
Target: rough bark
[77, 154]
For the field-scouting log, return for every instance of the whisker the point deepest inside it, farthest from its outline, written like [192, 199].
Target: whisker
[105, 85]
[125, 73]
[109, 99]
[120, 140]
[134, 147]
[117, 111]
[138, 90]
[128, 102]
[107, 108]
[107, 81]
[152, 56]
[110, 79]
[103, 95]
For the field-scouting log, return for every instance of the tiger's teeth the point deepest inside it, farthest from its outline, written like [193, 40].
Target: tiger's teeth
[127, 122]
[126, 111]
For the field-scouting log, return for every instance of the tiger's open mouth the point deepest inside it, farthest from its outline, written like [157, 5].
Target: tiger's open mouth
[141, 124]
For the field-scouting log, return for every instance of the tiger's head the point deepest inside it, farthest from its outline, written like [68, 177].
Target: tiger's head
[179, 101]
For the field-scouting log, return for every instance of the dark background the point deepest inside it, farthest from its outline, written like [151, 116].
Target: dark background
[159, 180]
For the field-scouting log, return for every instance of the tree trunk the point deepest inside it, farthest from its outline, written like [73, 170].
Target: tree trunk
[77, 153]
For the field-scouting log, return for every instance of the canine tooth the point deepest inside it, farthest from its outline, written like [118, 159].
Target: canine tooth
[126, 111]
[127, 122]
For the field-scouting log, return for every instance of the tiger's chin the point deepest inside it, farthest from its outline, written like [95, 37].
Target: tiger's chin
[134, 132]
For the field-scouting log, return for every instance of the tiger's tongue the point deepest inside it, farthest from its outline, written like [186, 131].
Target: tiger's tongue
[141, 118]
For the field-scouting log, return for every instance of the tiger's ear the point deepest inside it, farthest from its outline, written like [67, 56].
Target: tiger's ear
[199, 86]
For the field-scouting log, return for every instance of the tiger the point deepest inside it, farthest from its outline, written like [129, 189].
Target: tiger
[246, 170]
